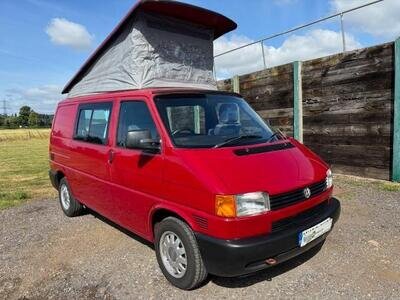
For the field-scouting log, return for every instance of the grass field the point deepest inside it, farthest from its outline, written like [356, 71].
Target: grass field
[7, 135]
[24, 166]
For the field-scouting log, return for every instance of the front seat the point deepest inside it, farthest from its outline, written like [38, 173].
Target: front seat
[228, 117]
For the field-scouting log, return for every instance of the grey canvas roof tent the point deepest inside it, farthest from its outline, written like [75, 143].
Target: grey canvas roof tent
[158, 44]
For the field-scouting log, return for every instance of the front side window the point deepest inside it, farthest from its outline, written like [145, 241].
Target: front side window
[93, 123]
[134, 115]
[212, 120]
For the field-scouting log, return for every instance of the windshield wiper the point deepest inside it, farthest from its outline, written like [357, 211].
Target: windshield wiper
[278, 133]
[236, 139]
[272, 136]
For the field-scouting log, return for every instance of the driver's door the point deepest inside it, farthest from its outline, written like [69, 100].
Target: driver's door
[136, 174]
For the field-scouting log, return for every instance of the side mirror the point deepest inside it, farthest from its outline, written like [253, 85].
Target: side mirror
[141, 139]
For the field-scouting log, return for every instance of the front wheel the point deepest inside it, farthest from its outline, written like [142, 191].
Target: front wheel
[178, 254]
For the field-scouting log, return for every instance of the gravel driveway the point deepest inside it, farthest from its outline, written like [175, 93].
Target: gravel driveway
[46, 255]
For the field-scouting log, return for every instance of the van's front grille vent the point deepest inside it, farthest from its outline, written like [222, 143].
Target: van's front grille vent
[202, 222]
[302, 218]
[263, 149]
[287, 199]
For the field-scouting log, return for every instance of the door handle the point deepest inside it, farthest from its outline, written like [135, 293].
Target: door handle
[111, 155]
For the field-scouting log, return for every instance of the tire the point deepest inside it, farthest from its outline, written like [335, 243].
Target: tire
[195, 272]
[69, 205]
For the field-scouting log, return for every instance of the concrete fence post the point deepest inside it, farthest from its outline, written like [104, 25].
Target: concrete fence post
[236, 84]
[396, 116]
[297, 102]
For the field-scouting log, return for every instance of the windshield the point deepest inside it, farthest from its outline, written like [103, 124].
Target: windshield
[212, 120]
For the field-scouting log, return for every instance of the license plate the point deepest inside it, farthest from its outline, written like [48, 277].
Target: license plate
[314, 232]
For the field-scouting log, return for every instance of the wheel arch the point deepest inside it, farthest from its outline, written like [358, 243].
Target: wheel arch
[58, 176]
[159, 213]
[55, 177]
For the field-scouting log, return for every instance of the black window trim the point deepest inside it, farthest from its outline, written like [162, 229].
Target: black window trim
[93, 106]
[119, 116]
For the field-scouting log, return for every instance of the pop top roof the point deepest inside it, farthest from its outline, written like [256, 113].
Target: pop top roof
[182, 11]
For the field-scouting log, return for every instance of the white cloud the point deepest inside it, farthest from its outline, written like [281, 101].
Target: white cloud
[242, 61]
[381, 19]
[317, 43]
[313, 44]
[42, 99]
[66, 33]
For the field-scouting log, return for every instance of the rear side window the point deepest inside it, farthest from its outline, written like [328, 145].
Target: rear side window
[134, 115]
[83, 124]
[93, 122]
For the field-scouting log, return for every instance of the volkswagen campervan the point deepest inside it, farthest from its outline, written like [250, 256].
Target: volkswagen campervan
[195, 171]
[198, 173]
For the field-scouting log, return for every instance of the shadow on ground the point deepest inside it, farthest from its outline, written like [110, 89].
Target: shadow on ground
[234, 282]
[120, 228]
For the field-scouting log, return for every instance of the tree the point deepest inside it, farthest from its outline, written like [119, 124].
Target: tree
[24, 113]
[45, 120]
[33, 120]
[26, 117]
[11, 122]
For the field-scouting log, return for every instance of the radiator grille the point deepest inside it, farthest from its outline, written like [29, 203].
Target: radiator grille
[287, 199]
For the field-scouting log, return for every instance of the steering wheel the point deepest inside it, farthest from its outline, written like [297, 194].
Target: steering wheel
[183, 130]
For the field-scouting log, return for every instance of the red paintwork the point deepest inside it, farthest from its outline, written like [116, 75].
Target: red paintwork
[184, 181]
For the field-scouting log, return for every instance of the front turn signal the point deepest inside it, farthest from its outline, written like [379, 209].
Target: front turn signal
[225, 206]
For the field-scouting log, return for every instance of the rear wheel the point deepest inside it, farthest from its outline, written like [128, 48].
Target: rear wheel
[178, 254]
[69, 205]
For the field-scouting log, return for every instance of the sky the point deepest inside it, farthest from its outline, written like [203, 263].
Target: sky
[44, 42]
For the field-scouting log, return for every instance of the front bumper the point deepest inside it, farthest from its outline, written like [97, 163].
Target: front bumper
[231, 258]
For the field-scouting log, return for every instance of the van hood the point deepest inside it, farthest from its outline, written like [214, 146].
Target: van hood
[275, 171]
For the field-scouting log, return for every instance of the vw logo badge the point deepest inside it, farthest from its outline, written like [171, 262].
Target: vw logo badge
[307, 193]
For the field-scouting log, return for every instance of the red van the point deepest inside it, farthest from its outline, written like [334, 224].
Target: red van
[196, 172]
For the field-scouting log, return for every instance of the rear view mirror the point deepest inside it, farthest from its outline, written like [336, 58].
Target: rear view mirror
[141, 139]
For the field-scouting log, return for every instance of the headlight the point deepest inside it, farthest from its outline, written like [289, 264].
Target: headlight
[251, 203]
[329, 179]
[241, 205]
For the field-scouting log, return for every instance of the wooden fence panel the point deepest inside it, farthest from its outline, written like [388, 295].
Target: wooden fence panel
[347, 106]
